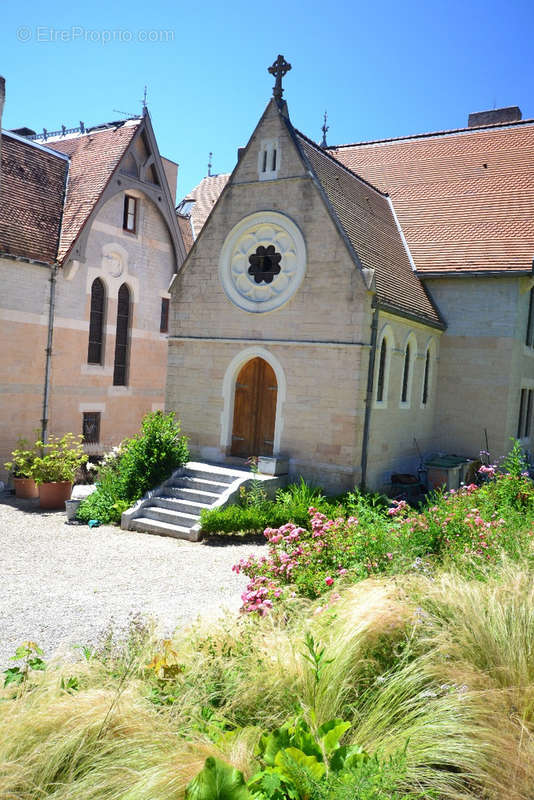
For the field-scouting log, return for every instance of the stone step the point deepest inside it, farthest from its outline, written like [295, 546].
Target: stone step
[216, 472]
[183, 493]
[179, 518]
[209, 475]
[217, 487]
[178, 504]
[147, 525]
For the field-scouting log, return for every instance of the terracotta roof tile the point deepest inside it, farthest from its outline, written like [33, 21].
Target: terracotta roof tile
[184, 223]
[31, 199]
[93, 159]
[205, 196]
[465, 199]
[369, 222]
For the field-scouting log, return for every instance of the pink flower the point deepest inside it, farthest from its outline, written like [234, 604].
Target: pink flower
[329, 581]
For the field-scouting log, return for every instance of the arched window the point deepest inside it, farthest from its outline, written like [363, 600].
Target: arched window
[96, 323]
[426, 377]
[406, 375]
[121, 340]
[381, 371]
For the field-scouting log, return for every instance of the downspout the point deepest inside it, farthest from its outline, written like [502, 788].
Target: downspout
[369, 396]
[48, 363]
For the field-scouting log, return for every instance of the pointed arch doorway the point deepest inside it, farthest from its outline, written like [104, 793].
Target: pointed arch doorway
[256, 392]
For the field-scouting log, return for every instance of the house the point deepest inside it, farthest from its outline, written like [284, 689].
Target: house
[353, 308]
[89, 242]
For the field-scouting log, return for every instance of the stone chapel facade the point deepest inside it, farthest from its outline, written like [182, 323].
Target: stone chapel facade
[312, 320]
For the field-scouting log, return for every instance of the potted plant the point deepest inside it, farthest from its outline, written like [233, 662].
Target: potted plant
[21, 467]
[54, 469]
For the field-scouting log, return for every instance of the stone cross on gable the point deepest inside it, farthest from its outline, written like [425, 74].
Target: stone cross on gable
[279, 69]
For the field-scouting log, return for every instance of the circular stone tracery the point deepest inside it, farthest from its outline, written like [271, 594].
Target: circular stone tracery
[262, 261]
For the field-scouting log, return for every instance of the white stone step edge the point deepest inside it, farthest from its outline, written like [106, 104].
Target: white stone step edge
[230, 495]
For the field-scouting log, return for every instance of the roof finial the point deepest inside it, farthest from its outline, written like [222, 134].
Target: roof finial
[210, 165]
[144, 102]
[324, 130]
[279, 69]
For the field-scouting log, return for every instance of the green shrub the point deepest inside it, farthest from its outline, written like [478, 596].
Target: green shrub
[254, 513]
[140, 464]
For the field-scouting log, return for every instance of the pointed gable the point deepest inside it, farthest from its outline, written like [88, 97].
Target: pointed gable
[93, 160]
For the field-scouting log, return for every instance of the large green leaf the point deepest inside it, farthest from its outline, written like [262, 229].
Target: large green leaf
[273, 742]
[347, 757]
[331, 733]
[217, 781]
[309, 763]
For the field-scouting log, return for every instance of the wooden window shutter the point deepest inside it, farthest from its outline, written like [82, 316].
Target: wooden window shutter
[96, 323]
[121, 340]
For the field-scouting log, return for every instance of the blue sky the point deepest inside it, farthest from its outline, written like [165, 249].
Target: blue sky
[380, 68]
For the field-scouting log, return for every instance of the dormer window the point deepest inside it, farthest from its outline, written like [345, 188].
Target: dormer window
[268, 159]
[129, 222]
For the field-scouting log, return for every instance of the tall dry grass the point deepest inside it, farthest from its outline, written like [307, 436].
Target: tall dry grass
[440, 667]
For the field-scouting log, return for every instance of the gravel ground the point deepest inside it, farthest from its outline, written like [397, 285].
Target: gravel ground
[62, 584]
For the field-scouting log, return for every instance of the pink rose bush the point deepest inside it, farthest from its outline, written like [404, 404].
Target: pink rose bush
[471, 527]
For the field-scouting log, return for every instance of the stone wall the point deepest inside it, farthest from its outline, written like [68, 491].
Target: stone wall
[483, 362]
[147, 263]
[396, 425]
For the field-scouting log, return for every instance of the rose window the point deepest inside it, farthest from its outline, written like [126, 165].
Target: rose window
[262, 261]
[264, 264]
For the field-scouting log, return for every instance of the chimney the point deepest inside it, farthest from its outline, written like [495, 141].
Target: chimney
[240, 151]
[499, 116]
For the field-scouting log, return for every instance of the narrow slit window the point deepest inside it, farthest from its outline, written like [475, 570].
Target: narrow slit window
[406, 375]
[425, 378]
[522, 402]
[381, 372]
[273, 162]
[264, 165]
[530, 322]
[122, 336]
[130, 214]
[164, 322]
[96, 323]
[528, 414]
[91, 427]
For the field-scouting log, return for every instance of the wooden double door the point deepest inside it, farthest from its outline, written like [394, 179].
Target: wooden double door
[256, 391]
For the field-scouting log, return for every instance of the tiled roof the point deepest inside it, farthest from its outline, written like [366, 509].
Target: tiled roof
[31, 199]
[205, 196]
[184, 223]
[368, 220]
[93, 159]
[464, 199]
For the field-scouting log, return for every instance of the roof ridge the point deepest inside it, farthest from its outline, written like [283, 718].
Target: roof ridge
[78, 132]
[450, 132]
[339, 163]
[32, 143]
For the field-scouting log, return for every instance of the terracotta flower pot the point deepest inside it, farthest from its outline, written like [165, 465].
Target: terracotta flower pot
[53, 495]
[25, 488]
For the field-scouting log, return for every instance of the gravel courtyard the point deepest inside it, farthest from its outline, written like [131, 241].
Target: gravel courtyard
[62, 584]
